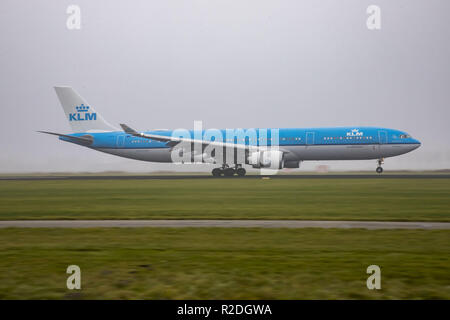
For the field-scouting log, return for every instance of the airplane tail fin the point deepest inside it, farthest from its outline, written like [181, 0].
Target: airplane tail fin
[82, 117]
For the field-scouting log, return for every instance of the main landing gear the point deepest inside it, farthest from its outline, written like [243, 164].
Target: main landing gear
[379, 168]
[227, 171]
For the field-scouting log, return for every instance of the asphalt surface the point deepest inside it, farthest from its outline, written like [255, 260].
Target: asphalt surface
[223, 224]
[181, 177]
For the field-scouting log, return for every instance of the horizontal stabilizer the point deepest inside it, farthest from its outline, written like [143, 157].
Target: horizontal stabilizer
[85, 140]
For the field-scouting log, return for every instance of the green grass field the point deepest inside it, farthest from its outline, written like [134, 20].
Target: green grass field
[322, 199]
[220, 263]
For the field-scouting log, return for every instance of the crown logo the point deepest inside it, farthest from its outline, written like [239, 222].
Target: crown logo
[355, 133]
[82, 108]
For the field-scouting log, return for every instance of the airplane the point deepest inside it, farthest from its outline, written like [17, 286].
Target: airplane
[270, 148]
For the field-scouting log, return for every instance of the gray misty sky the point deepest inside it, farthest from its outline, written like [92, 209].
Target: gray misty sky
[247, 63]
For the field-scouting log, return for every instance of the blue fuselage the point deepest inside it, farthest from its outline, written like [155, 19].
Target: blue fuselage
[287, 137]
[337, 143]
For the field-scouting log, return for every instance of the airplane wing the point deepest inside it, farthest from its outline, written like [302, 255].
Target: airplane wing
[173, 141]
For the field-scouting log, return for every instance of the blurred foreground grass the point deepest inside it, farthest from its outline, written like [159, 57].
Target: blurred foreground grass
[221, 263]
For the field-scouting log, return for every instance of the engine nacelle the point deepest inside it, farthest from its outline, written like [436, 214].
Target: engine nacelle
[291, 164]
[272, 159]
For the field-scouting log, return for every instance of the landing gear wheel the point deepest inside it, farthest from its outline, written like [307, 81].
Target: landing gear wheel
[228, 172]
[380, 162]
[241, 172]
[217, 172]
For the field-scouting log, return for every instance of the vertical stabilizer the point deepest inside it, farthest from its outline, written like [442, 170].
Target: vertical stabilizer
[82, 116]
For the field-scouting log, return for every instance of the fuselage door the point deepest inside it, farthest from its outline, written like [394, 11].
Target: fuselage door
[382, 137]
[309, 138]
[120, 142]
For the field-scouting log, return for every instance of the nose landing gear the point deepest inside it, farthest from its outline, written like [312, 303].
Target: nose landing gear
[379, 168]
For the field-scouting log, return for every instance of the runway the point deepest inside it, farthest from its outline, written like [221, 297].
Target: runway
[292, 224]
[197, 177]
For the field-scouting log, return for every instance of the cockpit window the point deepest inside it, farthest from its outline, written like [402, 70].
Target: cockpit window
[405, 136]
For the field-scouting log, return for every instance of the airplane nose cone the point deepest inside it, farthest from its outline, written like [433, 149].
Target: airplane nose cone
[417, 144]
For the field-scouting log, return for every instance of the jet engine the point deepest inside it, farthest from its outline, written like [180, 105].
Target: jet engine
[272, 159]
[291, 164]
